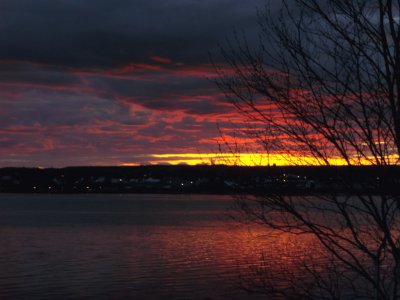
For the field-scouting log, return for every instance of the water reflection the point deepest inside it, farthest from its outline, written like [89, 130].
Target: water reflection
[133, 247]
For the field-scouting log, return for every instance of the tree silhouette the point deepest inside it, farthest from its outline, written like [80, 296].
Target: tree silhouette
[324, 82]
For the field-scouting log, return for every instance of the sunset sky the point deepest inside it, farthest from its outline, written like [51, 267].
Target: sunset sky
[113, 82]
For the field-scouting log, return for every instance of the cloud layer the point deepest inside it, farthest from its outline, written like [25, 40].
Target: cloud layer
[111, 82]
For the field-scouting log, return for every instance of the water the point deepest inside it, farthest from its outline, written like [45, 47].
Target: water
[127, 247]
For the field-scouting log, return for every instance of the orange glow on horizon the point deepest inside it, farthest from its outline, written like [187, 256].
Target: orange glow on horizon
[243, 159]
[129, 164]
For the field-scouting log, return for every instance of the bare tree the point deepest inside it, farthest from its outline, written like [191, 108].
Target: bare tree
[324, 81]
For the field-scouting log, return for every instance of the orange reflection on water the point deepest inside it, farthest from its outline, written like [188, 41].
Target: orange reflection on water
[139, 247]
[225, 255]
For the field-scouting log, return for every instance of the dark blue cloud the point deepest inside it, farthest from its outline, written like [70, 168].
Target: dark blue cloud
[111, 32]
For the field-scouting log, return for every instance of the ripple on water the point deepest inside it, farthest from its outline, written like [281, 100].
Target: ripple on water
[128, 247]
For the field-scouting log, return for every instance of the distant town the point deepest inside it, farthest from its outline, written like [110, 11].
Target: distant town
[197, 179]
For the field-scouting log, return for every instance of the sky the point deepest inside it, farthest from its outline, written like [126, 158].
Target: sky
[114, 82]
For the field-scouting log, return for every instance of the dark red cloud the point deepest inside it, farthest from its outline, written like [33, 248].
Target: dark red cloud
[114, 82]
[71, 116]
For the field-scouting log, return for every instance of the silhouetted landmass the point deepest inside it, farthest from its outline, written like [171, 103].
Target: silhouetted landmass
[198, 179]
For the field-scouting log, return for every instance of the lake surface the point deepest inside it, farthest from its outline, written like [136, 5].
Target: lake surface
[130, 247]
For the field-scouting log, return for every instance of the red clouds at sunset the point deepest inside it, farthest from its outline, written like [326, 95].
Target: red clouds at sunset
[109, 84]
[110, 116]
[139, 113]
